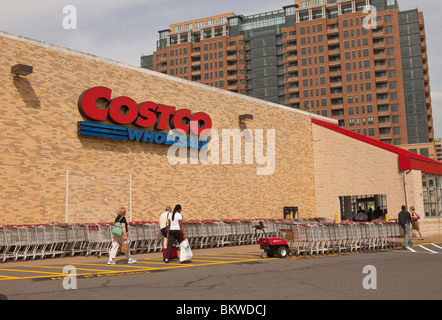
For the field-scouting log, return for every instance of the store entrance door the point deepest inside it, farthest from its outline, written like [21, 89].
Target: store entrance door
[352, 205]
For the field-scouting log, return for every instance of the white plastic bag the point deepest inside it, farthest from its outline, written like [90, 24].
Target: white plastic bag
[185, 251]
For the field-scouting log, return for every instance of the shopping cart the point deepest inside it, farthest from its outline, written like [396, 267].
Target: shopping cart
[76, 239]
[57, 238]
[382, 229]
[23, 245]
[98, 239]
[354, 236]
[9, 242]
[37, 241]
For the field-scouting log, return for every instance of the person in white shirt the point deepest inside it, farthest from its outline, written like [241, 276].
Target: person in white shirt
[163, 224]
[175, 232]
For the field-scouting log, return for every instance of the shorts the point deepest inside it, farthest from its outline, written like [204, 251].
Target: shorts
[164, 232]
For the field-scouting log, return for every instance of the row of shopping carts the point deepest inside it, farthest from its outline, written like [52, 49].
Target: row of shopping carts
[329, 238]
[306, 236]
[58, 240]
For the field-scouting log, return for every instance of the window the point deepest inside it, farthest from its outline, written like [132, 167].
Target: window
[199, 24]
[432, 195]
[391, 2]
[351, 122]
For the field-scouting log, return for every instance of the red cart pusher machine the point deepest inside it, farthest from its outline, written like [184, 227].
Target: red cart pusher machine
[271, 245]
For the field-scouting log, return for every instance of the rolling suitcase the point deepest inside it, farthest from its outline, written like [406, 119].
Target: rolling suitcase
[173, 254]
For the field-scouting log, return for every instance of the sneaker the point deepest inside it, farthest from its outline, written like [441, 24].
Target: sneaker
[111, 261]
[166, 260]
[131, 260]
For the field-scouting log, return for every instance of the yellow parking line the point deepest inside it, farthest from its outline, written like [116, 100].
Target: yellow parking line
[147, 262]
[54, 267]
[112, 265]
[31, 271]
[234, 256]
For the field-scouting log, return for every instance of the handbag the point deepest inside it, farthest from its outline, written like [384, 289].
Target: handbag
[124, 247]
[185, 251]
[117, 229]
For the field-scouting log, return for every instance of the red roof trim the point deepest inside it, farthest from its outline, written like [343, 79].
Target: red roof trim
[406, 159]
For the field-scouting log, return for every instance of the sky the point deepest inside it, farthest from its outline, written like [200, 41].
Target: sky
[123, 30]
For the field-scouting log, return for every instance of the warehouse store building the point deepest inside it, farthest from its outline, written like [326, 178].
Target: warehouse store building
[81, 136]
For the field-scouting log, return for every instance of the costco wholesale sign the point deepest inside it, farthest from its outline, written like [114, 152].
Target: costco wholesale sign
[144, 115]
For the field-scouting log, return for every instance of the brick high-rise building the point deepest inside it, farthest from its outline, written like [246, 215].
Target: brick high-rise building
[315, 55]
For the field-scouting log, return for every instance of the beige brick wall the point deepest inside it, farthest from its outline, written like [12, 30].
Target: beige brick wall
[39, 143]
[345, 167]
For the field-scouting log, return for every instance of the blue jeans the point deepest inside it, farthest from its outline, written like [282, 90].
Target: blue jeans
[407, 240]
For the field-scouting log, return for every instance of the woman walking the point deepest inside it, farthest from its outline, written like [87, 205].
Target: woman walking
[117, 240]
[175, 231]
[415, 223]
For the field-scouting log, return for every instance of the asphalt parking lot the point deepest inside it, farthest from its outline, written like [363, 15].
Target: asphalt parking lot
[232, 273]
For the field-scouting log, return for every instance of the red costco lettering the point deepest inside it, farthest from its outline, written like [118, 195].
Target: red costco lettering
[124, 110]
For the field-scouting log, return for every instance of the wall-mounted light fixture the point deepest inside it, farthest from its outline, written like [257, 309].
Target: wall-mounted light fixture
[21, 70]
[246, 117]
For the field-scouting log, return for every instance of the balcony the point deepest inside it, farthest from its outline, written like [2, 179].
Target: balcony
[293, 90]
[336, 84]
[231, 48]
[335, 72]
[294, 100]
[382, 89]
[380, 56]
[381, 77]
[378, 34]
[428, 100]
[332, 30]
[334, 51]
[380, 67]
[336, 94]
[292, 47]
[334, 62]
[292, 69]
[162, 68]
[333, 41]
[293, 78]
[378, 45]
[292, 58]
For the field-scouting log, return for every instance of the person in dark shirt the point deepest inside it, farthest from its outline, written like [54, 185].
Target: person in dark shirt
[377, 213]
[405, 222]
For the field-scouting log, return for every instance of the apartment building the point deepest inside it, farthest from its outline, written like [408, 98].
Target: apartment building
[438, 147]
[366, 69]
